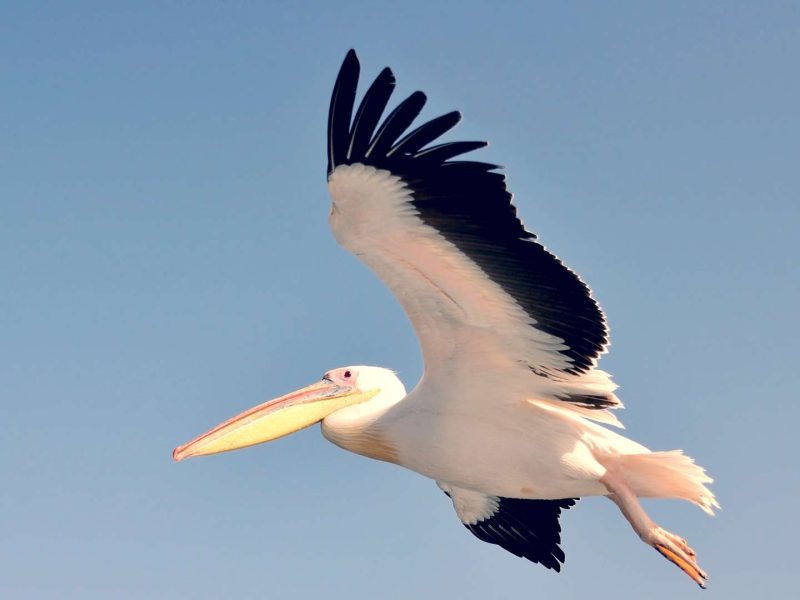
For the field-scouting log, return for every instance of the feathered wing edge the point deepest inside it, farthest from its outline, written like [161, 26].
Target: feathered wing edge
[527, 528]
[530, 529]
[468, 203]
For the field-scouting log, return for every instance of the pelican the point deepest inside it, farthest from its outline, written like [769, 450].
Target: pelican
[512, 416]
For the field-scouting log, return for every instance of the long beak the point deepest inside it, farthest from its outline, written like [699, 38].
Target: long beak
[274, 419]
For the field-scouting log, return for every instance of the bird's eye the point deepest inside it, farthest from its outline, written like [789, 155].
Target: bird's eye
[347, 374]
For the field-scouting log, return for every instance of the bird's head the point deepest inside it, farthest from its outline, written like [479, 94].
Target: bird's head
[336, 391]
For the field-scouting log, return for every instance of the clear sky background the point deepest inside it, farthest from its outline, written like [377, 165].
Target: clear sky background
[165, 262]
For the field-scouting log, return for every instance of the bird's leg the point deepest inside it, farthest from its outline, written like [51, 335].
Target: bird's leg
[672, 547]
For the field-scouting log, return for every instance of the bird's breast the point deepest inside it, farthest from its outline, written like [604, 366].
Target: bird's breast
[513, 453]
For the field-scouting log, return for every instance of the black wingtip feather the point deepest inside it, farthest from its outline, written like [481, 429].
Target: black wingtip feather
[426, 133]
[343, 98]
[396, 123]
[369, 113]
[361, 142]
[444, 152]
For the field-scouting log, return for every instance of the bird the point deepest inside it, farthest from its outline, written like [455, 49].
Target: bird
[512, 418]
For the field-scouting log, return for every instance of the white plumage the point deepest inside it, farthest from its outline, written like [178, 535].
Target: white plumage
[510, 417]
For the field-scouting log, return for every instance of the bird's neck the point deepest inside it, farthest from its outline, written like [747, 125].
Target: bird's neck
[360, 428]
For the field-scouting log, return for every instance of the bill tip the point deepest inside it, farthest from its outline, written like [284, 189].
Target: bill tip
[177, 456]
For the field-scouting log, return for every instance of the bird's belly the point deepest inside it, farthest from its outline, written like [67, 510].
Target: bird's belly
[537, 458]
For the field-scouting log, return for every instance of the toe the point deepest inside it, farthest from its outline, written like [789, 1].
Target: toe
[685, 563]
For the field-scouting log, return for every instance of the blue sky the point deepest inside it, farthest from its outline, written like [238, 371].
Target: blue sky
[165, 262]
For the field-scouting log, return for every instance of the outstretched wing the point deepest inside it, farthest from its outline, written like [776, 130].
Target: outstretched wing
[445, 237]
[527, 528]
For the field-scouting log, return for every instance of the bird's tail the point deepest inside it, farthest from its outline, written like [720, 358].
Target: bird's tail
[668, 475]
